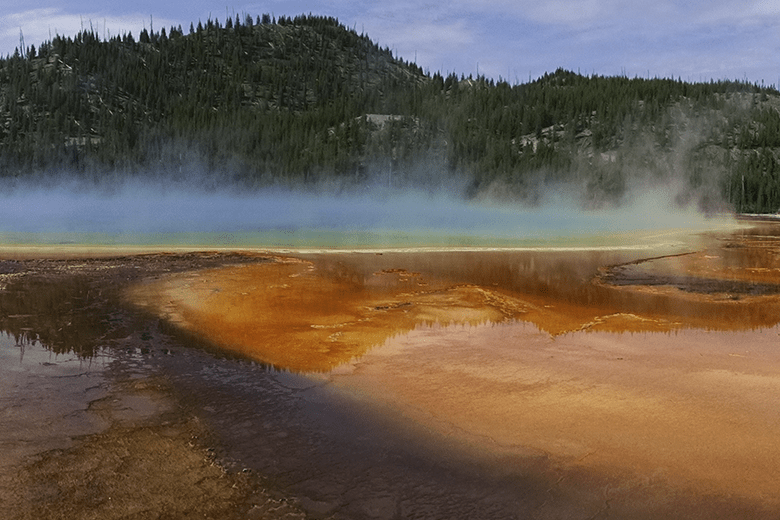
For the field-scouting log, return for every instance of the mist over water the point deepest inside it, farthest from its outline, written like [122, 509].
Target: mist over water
[140, 213]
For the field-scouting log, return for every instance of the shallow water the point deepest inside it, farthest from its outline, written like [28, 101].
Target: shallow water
[329, 240]
[151, 213]
[319, 217]
[330, 452]
[44, 397]
[692, 412]
[489, 421]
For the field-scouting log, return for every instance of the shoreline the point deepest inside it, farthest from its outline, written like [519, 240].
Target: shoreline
[626, 307]
[92, 428]
[84, 245]
[554, 415]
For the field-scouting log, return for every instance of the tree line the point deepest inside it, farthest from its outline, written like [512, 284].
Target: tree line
[306, 101]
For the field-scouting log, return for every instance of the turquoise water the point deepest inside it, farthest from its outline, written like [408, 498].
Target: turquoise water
[338, 241]
[156, 216]
[335, 239]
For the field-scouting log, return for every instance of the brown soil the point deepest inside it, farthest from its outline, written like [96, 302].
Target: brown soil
[153, 465]
[153, 458]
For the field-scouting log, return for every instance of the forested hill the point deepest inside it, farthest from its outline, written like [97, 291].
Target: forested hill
[305, 100]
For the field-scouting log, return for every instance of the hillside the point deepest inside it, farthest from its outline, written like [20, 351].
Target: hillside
[307, 101]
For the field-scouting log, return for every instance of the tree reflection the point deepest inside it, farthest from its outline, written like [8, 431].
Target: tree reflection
[63, 313]
[76, 306]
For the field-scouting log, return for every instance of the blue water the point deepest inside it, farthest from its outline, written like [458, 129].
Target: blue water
[156, 215]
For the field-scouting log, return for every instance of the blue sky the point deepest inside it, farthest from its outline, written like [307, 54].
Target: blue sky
[513, 39]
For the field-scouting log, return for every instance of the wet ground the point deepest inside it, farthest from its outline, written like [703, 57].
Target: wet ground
[91, 427]
[602, 384]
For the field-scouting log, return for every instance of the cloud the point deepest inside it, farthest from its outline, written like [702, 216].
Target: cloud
[570, 13]
[658, 15]
[42, 24]
[693, 40]
[36, 25]
[426, 40]
[731, 13]
[428, 33]
[422, 33]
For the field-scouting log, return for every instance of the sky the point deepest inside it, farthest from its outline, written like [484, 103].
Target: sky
[514, 40]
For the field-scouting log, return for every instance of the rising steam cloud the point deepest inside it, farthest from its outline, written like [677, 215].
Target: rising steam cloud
[135, 212]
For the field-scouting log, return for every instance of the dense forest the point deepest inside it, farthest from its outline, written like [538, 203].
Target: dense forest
[308, 102]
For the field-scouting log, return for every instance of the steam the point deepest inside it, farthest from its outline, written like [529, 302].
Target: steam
[668, 175]
[678, 157]
[641, 185]
[137, 212]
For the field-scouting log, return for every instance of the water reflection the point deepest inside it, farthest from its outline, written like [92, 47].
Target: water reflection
[315, 311]
[684, 414]
[44, 397]
[720, 281]
[62, 314]
[74, 304]
[571, 412]
[717, 281]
